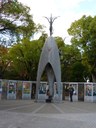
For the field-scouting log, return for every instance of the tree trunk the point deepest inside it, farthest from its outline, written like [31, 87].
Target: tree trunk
[93, 78]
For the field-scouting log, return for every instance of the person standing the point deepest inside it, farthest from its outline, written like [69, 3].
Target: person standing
[71, 90]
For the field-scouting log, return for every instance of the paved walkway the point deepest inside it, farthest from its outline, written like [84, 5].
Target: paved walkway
[28, 114]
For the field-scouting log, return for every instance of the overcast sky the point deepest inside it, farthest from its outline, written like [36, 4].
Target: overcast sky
[68, 10]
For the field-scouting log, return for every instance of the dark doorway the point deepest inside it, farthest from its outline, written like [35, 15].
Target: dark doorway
[33, 91]
[19, 90]
[65, 95]
[80, 91]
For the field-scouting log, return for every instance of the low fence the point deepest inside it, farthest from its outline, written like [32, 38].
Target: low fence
[16, 89]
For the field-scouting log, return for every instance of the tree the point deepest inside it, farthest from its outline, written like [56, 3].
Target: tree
[69, 56]
[83, 32]
[4, 60]
[60, 42]
[25, 58]
[78, 72]
[16, 23]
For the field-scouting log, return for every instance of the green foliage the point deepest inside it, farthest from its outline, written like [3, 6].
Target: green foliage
[20, 61]
[83, 34]
[16, 23]
[78, 71]
[4, 60]
[70, 55]
[25, 57]
[59, 41]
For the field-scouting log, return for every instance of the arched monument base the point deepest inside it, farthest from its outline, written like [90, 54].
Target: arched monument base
[44, 97]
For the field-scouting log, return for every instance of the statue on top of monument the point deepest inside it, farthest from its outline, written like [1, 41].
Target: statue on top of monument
[51, 20]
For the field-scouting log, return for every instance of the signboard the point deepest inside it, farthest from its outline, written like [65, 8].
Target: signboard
[88, 90]
[11, 94]
[42, 88]
[26, 94]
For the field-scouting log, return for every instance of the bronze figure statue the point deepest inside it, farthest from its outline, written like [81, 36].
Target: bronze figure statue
[51, 20]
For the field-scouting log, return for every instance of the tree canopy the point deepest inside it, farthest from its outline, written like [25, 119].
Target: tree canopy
[16, 23]
[83, 32]
[20, 60]
[25, 57]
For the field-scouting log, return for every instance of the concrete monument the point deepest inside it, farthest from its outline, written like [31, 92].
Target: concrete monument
[50, 62]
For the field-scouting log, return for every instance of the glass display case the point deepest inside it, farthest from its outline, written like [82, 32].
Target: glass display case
[42, 92]
[90, 92]
[42, 88]
[94, 92]
[56, 93]
[65, 90]
[94, 89]
[11, 91]
[26, 90]
[88, 89]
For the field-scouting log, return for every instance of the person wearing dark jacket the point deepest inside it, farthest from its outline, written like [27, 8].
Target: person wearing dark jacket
[71, 90]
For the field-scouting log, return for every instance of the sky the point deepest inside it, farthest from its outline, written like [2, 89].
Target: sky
[67, 10]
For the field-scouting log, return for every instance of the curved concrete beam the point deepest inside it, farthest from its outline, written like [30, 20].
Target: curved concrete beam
[49, 56]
